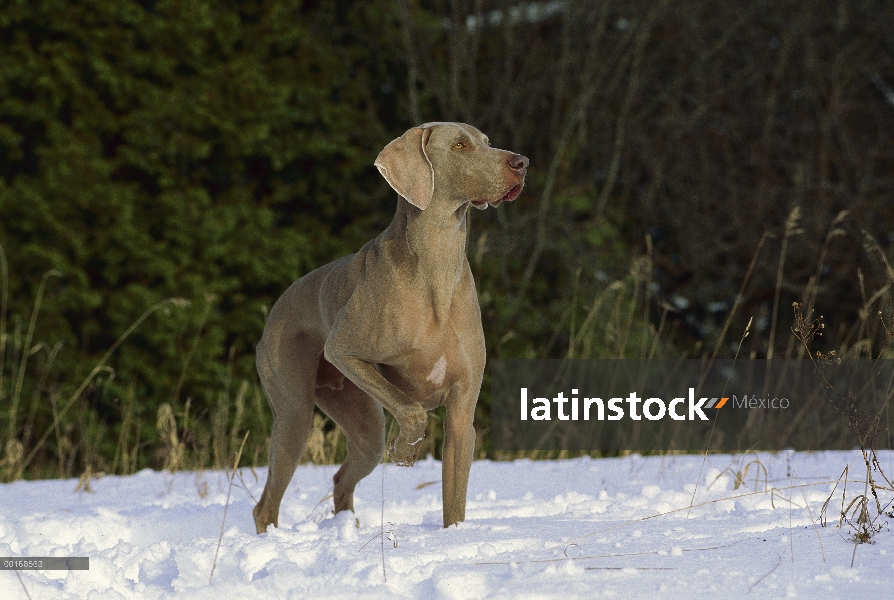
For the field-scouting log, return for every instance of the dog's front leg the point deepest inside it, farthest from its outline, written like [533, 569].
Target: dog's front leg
[410, 415]
[456, 461]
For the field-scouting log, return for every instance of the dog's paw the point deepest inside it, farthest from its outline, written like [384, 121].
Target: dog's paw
[405, 447]
[404, 453]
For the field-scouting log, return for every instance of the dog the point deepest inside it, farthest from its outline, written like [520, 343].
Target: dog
[395, 326]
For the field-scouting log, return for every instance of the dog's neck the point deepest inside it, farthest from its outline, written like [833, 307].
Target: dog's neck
[436, 243]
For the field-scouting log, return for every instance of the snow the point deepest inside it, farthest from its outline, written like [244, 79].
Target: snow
[577, 528]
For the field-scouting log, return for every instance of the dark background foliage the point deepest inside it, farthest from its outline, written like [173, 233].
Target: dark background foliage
[215, 151]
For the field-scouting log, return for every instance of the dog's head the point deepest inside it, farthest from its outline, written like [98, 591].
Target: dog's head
[454, 161]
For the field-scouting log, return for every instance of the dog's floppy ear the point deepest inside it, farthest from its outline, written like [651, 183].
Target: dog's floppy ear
[405, 166]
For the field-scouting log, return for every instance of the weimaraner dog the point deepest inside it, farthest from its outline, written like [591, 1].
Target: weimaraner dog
[396, 325]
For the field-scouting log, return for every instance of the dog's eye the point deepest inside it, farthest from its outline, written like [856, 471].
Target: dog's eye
[459, 146]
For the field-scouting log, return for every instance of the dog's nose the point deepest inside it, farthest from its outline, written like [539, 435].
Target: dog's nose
[518, 163]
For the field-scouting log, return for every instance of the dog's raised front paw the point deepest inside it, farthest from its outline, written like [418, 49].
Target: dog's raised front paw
[405, 447]
[404, 454]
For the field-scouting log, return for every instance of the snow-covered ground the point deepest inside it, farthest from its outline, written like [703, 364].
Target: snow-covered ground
[578, 528]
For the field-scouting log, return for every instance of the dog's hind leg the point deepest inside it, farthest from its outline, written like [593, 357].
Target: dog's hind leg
[288, 378]
[363, 422]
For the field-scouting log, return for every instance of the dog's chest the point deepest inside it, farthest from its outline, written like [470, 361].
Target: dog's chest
[438, 371]
[443, 362]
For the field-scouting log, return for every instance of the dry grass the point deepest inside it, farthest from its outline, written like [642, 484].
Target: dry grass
[740, 474]
[865, 512]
